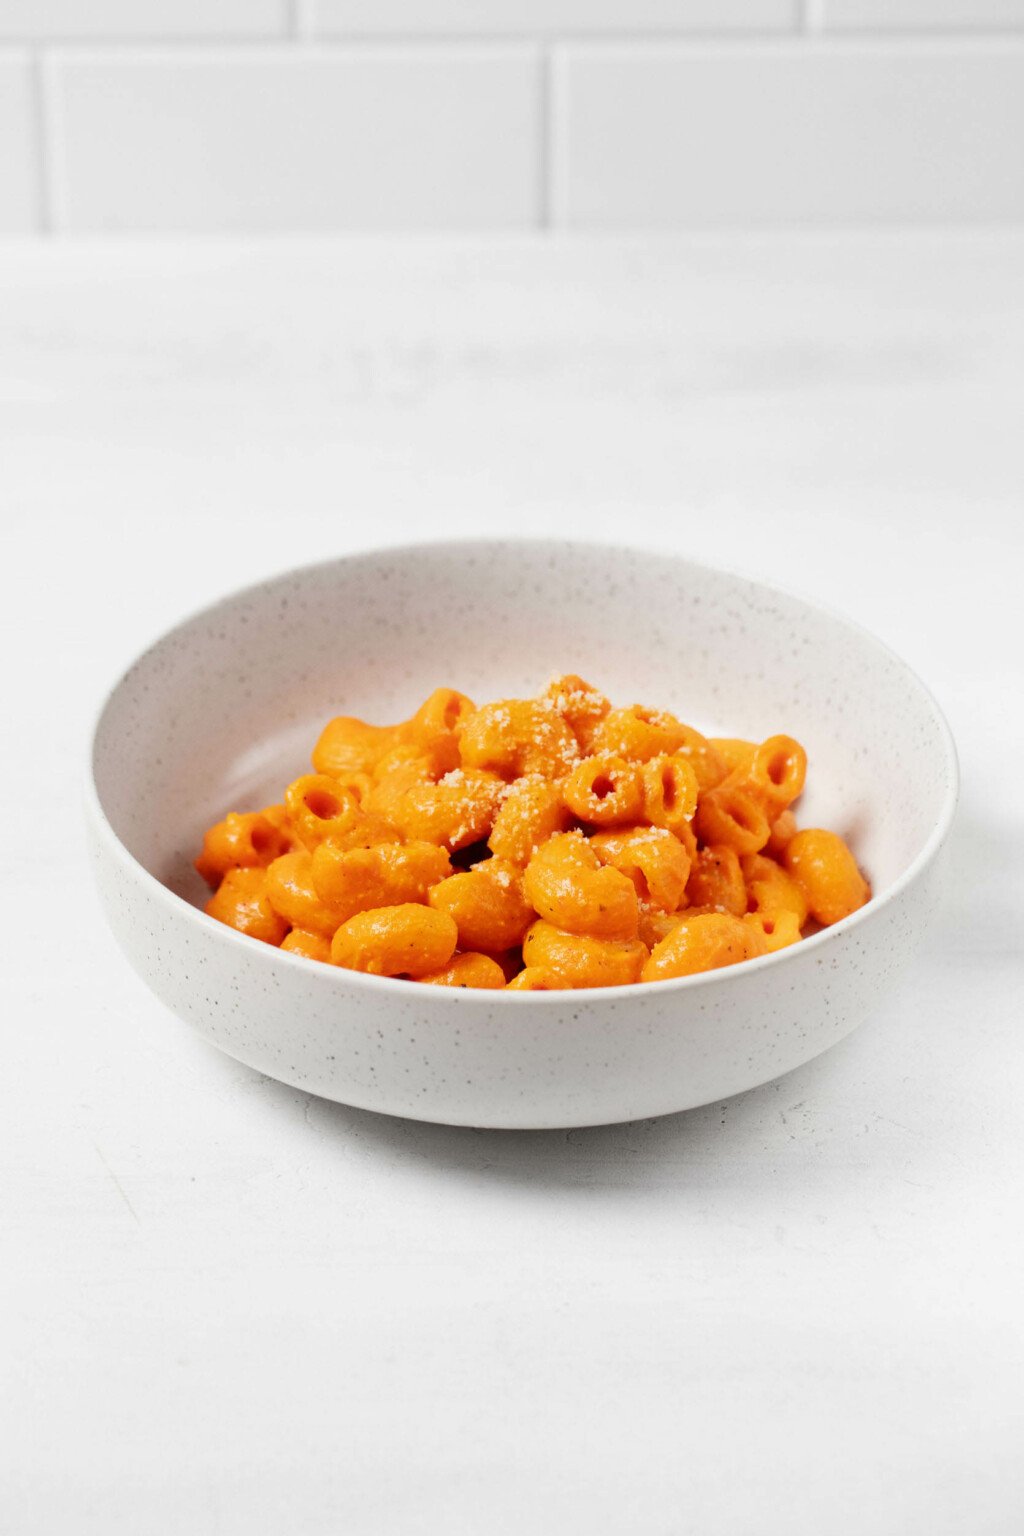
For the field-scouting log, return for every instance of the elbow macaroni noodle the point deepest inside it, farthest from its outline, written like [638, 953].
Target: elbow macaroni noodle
[533, 845]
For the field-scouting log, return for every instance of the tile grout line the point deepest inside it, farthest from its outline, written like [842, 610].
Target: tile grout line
[41, 147]
[810, 25]
[53, 170]
[811, 18]
[553, 166]
[544, 139]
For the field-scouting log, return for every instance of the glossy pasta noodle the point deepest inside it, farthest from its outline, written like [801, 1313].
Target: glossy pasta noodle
[534, 845]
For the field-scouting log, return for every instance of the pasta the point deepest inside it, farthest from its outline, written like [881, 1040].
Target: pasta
[351, 880]
[532, 845]
[567, 884]
[403, 940]
[301, 942]
[704, 943]
[582, 960]
[670, 790]
[241, 901]
[488, 904]
[604, 790]
[240, 842]
[716, 880]
[827, 873]
[468, 970]
[531, 811]
[732, 815]
[657, 863]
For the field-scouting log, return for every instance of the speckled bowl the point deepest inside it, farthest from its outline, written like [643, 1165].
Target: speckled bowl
[222, 712]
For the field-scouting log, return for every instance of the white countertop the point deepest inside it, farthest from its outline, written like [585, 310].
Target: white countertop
[232, 1308]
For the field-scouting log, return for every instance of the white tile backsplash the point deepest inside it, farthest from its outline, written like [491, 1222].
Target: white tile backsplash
[200, 116]
[18, 194]
[405, 138]
[920, 15]
[548, 18]
[113, 20]
[688, 136]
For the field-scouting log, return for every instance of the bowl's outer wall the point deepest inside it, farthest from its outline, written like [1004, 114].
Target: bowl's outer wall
[576, 1059]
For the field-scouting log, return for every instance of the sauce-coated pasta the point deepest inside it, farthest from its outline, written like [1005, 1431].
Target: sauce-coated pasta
[533, 845]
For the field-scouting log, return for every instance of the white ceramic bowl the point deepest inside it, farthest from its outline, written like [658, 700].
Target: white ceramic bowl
[222, 712]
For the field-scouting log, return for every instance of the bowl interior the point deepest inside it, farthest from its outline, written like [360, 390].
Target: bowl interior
[222, 712]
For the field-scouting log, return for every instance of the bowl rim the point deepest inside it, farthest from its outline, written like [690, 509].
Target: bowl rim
[269, 954]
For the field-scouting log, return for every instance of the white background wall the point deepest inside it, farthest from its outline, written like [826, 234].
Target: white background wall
[272, 115]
